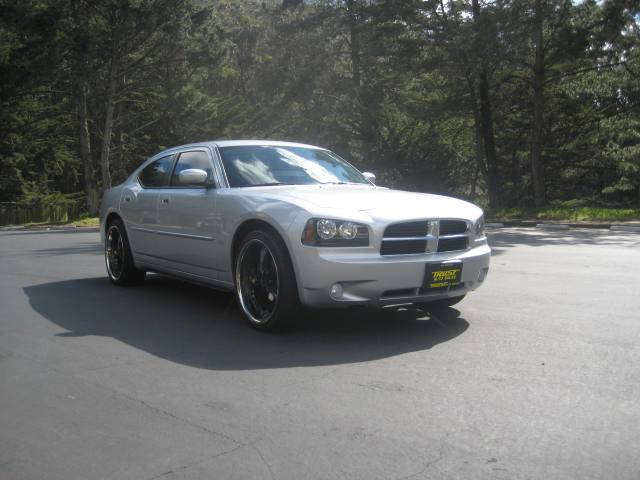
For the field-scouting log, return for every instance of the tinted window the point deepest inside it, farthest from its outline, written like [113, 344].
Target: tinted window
[155, 174]
[192, 160]
[248, 166]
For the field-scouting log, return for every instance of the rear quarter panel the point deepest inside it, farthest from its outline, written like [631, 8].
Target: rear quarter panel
[110, 203]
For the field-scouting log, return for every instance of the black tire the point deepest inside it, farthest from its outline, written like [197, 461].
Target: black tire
[117, 256]
[265, 282]
[440, 304]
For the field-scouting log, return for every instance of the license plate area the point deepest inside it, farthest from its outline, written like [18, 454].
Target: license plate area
[443, 275]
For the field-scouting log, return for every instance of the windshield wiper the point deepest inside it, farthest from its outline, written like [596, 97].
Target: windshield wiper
[339, 183]
[269, 184]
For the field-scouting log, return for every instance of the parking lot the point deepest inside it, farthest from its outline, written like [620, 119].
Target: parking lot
[534, 376]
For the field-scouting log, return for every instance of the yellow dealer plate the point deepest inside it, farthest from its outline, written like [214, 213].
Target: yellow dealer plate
[440, 275]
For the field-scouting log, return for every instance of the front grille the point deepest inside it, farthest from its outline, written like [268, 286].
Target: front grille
[413, 237]
[407, 229]
[403, 247]
[452, 227]
[452, 244]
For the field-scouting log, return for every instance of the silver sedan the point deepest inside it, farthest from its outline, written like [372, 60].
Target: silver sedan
[284, 225]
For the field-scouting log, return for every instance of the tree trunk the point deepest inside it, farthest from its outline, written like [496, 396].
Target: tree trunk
[480, 165]
[105, 169]
[537, 168]
[364, 121]
[85, 149]
[354, 41]
[486, 119]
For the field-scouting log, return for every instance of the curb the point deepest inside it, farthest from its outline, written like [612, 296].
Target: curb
[12, 228]
[553, 226]
[22, 228]
[630, 228]
[625, 228]
[534, 224]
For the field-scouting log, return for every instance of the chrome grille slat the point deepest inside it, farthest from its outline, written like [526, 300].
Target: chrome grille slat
[407, 239]
[457, 235]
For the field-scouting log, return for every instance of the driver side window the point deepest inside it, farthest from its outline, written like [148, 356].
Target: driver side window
[154, 175]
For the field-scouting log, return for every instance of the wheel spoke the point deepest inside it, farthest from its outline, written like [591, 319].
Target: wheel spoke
[257, 281]
[262, 261]
[114, 252]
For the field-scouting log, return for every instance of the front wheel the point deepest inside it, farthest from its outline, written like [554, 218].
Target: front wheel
[118, 258]
[439, 304]
[265, 282]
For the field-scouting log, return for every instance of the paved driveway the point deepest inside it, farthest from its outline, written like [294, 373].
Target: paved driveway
[534, 376]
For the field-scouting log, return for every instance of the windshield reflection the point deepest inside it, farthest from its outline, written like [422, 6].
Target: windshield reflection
[248, 166]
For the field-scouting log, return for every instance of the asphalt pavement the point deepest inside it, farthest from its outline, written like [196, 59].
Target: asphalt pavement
[534, 376]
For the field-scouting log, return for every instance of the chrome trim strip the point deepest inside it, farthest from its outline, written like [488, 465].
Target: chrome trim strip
[185, 235]
[173, 234]
[145, 230]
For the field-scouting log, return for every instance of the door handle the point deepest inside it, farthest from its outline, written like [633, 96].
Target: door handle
[165, 200]
[127, 198]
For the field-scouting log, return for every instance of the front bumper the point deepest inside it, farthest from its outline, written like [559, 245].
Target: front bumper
[367, 278]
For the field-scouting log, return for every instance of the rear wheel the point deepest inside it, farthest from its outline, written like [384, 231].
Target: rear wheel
[265, 281]
[440, 304]
[118, 258]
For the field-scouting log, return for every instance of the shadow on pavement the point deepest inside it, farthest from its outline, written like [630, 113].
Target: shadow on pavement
[200, 327]
[499, 240]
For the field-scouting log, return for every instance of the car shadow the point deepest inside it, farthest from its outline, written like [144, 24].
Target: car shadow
[200, 327]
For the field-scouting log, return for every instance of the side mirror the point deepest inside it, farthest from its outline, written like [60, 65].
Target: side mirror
[369, 176]
[193, 176]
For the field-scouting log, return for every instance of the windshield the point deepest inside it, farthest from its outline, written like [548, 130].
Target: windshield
[260, 165]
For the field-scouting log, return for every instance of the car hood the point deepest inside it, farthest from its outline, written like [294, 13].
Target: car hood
[377, 202]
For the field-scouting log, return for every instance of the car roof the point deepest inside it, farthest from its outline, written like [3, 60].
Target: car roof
[236, 143]
[275, 143]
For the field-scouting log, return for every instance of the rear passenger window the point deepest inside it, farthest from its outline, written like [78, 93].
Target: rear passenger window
[192, 160]
[155, 174]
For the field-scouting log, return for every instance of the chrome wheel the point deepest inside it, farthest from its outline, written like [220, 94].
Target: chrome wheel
[114, 252]
[257, 281]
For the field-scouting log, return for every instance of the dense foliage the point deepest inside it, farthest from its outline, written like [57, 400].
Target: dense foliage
[510, 103]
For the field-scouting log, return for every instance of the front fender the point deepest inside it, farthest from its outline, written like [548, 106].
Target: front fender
[237, 210]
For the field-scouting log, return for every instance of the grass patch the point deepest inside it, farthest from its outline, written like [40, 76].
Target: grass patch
[578, 214]
[83, 222]
[86, 222]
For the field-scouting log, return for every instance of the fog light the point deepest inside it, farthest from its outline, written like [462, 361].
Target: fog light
[336, 291]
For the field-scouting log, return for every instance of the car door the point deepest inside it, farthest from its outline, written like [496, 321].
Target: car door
[188, 222]
[139, 206]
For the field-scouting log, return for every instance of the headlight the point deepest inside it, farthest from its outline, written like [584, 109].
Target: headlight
[326, 228]
[348, 230]
[479, 227]
[326, 232]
